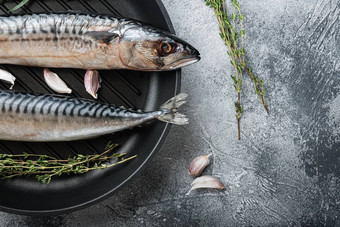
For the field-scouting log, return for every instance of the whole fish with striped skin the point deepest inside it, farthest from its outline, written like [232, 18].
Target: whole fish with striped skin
[46, 118]
[85, 41]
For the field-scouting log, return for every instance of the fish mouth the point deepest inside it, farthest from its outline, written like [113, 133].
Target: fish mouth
[183, 62]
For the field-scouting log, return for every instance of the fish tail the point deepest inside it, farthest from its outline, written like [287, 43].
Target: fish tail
[169, 109]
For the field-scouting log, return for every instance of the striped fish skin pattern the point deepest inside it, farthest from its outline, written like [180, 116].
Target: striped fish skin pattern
[86, 41]
[34, 117]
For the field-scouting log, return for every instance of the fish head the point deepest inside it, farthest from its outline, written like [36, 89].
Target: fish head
[149, 49]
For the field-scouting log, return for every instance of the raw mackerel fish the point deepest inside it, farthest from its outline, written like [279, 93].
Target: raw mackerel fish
[34, 117]
[86, 41]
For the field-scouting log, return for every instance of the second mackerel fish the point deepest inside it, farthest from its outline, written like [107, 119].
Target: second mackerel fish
[46, 118]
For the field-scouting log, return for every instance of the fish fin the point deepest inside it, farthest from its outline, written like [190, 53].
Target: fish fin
[103, 37]
[169, 109]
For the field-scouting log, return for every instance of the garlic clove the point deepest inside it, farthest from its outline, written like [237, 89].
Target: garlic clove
[56, 83]
[198, 165]
[7, 77]
[206, 182]
[92, 82]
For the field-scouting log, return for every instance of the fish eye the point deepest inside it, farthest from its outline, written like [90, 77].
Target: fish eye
[166, 48]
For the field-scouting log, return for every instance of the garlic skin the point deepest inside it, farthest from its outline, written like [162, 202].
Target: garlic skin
[198, 165]
[56, 83]
[206, 182]
[7, 77]
[92, 82]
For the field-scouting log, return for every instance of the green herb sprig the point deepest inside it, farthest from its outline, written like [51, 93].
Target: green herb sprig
[45, 167]
[232, 33]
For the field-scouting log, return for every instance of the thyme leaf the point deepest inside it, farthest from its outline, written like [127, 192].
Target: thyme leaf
[21, 4]
[18, 6]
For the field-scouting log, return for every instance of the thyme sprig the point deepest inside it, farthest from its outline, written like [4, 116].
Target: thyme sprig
[44, 167]
[232, 33]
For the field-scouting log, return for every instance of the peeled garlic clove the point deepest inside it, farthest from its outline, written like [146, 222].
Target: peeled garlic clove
[56, 83]
[198, 164]
[7, 77]
[92, 82]
[206, 182]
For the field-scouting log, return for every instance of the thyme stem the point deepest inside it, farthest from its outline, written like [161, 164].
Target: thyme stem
[45, 167]
[236, 51]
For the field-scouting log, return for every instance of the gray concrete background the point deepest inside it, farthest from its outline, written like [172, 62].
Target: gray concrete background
[285, 170]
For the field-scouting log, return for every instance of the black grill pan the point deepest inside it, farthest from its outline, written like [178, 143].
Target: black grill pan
[139, 90]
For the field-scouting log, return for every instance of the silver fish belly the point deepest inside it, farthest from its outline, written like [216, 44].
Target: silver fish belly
[90, 42]
[46, 118]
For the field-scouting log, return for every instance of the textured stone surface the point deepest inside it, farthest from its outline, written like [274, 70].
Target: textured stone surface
[285, 170]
